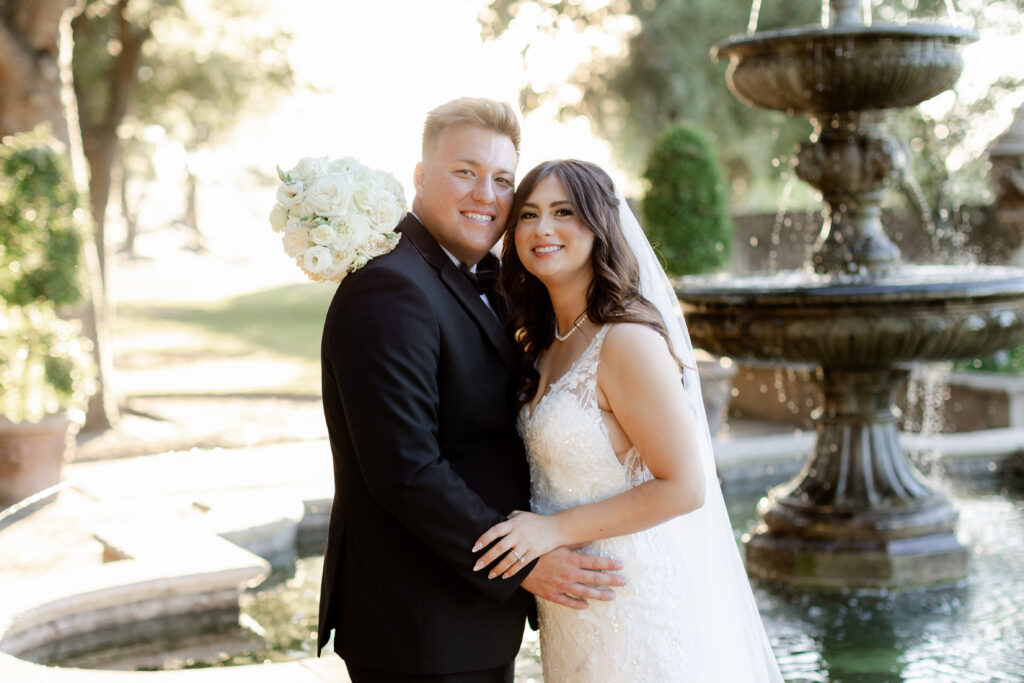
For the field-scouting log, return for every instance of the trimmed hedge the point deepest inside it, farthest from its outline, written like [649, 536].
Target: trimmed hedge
[686, 209]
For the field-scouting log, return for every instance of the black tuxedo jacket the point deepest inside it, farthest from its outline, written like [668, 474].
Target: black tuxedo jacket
[419, 399]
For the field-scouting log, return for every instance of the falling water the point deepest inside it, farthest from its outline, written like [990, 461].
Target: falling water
[928, 392]
[951, 11]
[780, 218]
[755, 12]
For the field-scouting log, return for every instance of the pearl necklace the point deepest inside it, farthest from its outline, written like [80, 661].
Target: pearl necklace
[582, 318]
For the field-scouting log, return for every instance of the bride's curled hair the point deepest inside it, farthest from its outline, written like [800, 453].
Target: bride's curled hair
[614, 292]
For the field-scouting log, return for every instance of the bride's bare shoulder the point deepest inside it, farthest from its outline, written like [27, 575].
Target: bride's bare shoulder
[634, 343]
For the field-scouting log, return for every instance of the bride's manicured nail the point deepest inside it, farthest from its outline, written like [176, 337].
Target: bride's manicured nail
[476, 547]
[478, 566]
[491, 575]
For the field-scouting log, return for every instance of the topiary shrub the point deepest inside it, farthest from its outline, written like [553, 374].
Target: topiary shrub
[41, 223]
[686, 213]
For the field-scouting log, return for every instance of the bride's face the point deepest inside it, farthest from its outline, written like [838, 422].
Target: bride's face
[552, 242]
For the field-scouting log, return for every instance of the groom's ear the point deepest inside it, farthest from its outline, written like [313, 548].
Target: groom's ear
[417, 176]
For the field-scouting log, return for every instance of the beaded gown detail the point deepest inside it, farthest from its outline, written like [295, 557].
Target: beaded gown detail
[656, 629]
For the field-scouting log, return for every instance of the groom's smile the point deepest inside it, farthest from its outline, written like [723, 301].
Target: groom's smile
[478, 217]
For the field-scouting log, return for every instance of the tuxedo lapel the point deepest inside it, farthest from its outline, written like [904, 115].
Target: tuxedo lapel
[459, 286]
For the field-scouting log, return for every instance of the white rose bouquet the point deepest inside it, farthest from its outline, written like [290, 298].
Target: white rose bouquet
[334, 216]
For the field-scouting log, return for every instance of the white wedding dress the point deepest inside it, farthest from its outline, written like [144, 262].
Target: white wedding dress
[686, 612]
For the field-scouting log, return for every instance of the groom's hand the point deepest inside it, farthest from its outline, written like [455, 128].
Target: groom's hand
[571, 579]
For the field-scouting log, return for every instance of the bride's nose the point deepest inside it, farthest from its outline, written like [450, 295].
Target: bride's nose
[545, 225]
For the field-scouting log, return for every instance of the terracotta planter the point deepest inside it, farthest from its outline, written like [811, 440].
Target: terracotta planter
[31, 456]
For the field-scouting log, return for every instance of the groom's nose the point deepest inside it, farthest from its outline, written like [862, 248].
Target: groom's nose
[483, 190]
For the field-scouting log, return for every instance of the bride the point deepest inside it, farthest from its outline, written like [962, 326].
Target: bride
[619, 451]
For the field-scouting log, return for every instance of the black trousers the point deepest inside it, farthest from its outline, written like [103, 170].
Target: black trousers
[503, 674]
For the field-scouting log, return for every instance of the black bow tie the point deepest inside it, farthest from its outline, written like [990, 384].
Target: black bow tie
[485, 277]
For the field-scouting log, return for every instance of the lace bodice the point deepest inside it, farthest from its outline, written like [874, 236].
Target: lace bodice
[572, 461]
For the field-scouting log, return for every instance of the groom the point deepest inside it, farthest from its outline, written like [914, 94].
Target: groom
[419, 396]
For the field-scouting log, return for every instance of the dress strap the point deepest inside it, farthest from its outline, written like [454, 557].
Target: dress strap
[582, 380]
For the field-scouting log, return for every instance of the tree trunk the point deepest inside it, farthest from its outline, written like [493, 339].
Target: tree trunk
[102, 412]
[99, 137]
[30, 79]
[128, 213]
[35, 88]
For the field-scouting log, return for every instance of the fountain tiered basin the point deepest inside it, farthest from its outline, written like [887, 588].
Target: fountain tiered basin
[858, 515]
[844, 68]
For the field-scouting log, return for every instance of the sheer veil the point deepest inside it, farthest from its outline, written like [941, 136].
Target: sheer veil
[725, 624]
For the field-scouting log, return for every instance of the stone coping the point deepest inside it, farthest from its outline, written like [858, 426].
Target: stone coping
[309, 670]
[194, 542]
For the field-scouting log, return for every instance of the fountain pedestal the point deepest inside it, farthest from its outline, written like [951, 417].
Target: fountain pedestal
[858, 513]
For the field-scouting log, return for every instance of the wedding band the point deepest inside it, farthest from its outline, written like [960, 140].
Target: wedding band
[516, 554]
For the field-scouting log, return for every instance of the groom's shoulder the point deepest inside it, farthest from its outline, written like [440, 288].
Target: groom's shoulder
[403, 263]
[401, 273]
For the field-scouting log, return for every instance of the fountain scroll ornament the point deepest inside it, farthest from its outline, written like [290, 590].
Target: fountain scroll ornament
[858, 515]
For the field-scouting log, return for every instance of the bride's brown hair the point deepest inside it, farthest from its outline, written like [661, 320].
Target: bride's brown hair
[614, 292]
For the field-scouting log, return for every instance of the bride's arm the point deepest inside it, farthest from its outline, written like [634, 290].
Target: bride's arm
[640, 380]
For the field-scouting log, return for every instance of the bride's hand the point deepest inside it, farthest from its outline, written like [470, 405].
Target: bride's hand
[525, 536]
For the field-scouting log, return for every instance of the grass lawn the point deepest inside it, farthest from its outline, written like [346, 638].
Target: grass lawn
[265, 342]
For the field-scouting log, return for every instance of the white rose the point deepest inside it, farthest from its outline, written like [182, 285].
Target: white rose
[395, 188]
[339, 267]
[344, 166]
[315, 260]
[290, 195]
[329, 195]
[384, 211]
[278, 217]
[295, 238]
[308, 168]
[365, 190]
[357, 229]
[322, 235]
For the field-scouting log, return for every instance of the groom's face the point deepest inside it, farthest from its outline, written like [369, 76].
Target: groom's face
[464, 189]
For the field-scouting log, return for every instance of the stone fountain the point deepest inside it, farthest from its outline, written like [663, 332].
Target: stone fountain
[858, 515]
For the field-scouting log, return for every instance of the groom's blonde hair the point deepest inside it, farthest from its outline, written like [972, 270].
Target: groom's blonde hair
[474, 111]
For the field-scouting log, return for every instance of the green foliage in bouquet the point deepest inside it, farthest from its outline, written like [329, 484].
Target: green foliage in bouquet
[41, 223]
[686, 212]
[47, 365]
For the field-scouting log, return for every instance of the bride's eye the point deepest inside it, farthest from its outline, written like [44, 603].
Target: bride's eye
[562, 213]
[527, 215]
